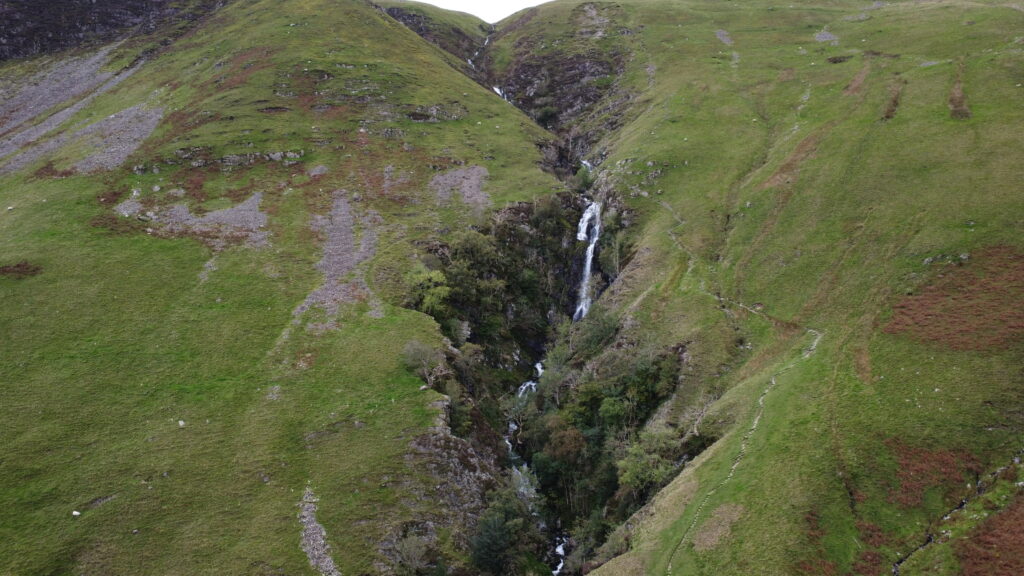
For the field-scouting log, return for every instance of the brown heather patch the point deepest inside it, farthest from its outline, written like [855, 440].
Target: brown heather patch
[245, 64]
[957, 101]
[48, 170]
[996, 546]
[869, 563]
[895, 93]
[871, 534]
[195, 182]
[117, 224]
[817, 565]
[22, 269]
[790, 169]
[921, 469]
[857, 83]
[111, 197]
[974, 306]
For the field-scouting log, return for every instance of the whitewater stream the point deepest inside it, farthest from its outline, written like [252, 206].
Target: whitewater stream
[589, 231]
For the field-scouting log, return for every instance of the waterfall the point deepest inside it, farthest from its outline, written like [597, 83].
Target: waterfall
[590, 232]
[523, 480]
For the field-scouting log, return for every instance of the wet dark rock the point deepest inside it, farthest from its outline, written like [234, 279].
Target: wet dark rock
[448, 38]
[29, 27]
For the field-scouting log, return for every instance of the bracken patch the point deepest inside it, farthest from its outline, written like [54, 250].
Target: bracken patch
[816, 565]
[972, 306]
[996, 547]
[22, 269]
[921, 469]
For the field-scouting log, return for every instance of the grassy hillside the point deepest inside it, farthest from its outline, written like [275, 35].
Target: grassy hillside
[825, 211]
[806, 353]
[161, 377]
[804, 184]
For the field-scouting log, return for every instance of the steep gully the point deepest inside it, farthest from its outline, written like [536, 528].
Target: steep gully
[589, 231]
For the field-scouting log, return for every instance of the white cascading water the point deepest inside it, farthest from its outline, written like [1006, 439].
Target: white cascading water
[521, 474]
[590, 232]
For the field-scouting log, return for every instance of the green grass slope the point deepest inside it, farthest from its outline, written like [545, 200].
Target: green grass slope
[826, 207]
[128, 329]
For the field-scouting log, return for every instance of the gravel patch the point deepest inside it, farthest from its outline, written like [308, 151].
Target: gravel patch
[468, 182]
[825, 36]
[117, 136]
[14, 142]
[114, 138]
[62, 81]
[208, 267]
[241, 223]
[129, 207]
[314, 537]
[340, 258]
[724, 37]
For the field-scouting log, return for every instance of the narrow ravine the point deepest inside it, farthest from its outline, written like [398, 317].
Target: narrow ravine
[589, 230]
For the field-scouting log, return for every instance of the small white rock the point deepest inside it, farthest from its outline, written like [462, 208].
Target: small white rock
[181, 423]
[76, 513]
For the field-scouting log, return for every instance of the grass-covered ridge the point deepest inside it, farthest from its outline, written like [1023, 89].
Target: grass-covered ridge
[124, 333]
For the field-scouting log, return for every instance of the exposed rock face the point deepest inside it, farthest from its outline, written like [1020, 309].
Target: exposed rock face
[460, 475]
[29, 27]
[448, 38]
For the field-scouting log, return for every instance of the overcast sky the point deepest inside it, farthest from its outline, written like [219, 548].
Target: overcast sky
[489, 10]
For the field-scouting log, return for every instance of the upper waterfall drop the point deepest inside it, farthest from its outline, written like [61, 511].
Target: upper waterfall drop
[589, 231]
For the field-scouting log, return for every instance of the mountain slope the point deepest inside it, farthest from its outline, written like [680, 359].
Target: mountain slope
[232, 257]
[825, 214]
[181, 373]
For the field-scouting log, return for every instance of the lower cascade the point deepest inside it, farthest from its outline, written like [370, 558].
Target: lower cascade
[589, 231]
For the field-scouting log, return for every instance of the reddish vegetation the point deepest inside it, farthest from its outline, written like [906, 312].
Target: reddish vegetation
[246, 64]
[871, 534]
[111, 196]
[921, 469]
[996, 547]
[20, 270]
[116, 224]
[48, 170]
[895, 93]
[957, 101]
[816, 565]
[870, 563]
[858, 81]
[791, 167]
[975, 306]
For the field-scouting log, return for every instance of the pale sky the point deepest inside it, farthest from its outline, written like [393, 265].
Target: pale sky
[489, 10]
